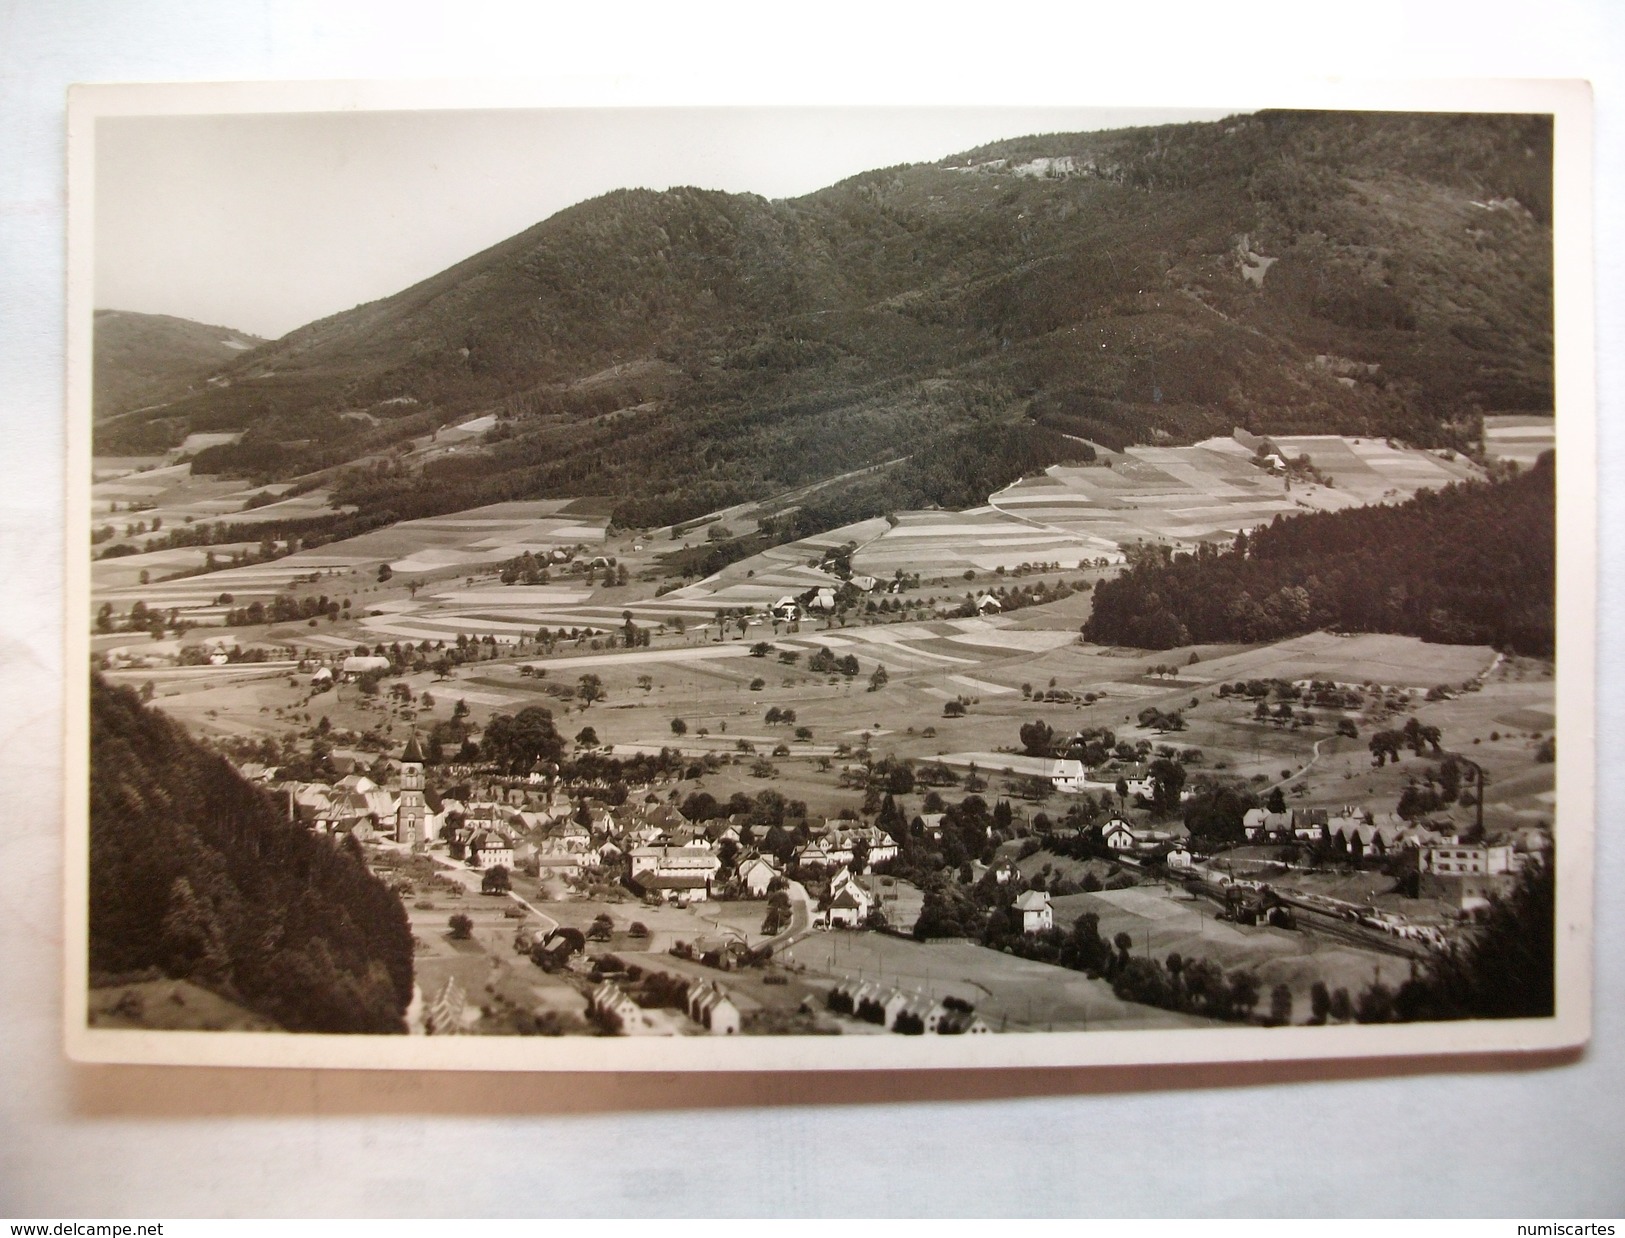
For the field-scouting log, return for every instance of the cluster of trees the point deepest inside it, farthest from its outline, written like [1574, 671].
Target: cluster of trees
[283, 609]
[824, 662]
[1020, 597]
[1415, 735]
[1471, 564]
[194, 872]
[1195, 986]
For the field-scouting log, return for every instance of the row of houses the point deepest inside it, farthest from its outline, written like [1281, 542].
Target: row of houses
[704, 1001]
[886, 1005]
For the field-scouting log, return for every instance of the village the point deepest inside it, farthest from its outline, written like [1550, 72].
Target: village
[544, 907]
[870, 780]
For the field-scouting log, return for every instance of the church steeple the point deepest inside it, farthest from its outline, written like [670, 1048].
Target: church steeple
[412, 812]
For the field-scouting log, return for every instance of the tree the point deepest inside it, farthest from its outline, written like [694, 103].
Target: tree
[590, 688]
[1505, 969]
[1276, 801]
[1340, 1008]
[1244, 991]
[1280, 1005]
[496, 880]
[586, 737]
[462, 928]
[192, 941]
[385, 572]
[954, 709]
[761, 649]
[1320, 1003]
[1037, 739]
[1167, 781]
[646, 682]
[516, 743]
[879, 679]
[679, 727]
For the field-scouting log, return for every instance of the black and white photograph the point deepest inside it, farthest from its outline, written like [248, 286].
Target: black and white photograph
[772, 587]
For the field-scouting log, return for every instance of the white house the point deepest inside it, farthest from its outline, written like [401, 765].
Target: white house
[1035, 910]
[1258, 823]
[488, 849]
[755, 874]
[609, 999]
[1119, 835]
[1070, 776]
[712, 1008]
[850, 907]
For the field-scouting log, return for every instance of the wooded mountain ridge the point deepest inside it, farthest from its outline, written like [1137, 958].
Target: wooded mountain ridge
[1359, 273]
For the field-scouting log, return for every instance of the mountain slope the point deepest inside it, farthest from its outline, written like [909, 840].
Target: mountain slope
[193, 872]
[1357, 273]
[146, 359]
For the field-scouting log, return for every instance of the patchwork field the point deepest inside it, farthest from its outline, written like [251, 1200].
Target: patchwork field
[1518, 437]
[1187, 495]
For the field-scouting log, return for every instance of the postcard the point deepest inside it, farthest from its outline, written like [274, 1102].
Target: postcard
[563, 585]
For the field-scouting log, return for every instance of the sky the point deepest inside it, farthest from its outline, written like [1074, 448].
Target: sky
[264, 222]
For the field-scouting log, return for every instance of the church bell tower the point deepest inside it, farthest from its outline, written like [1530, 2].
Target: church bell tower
[412, 814]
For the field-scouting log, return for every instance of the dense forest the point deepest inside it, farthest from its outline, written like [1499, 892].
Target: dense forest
[194, 872]
[1474, 563]
[676, 352]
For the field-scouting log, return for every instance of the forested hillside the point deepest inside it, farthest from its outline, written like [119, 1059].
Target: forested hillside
[1287, 272]
[1472, 564]
[146, 359]
[194, 872]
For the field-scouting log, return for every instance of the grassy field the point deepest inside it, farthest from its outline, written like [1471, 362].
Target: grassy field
[1165, 921]
[1010, 993]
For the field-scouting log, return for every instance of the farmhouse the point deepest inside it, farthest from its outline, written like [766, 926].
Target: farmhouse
[356, 666]
[1262, 825]
[1036, 912]
[929, 823]
[755, 874]
[1309, 823]
[850, 907]
[1069, 776]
